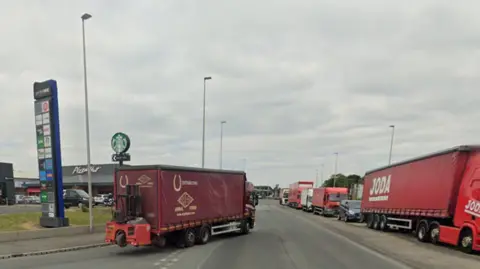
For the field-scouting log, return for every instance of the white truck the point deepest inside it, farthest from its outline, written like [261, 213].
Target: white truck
[284, 196]
[306, 199]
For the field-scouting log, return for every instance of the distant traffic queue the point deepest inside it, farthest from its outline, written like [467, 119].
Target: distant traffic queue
[436, 197]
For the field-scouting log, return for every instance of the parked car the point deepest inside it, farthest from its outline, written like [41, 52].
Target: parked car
[99, 199]
[75, 197]
[349, 210]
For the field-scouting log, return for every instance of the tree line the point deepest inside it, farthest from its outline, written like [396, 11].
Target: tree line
[342, 180]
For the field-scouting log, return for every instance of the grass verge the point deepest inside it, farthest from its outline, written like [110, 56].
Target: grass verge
[30, 220]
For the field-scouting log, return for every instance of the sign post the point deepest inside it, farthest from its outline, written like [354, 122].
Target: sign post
[49, 154]
[120, 144]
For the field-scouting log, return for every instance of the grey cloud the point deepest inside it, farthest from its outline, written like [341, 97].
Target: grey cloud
[295, 82]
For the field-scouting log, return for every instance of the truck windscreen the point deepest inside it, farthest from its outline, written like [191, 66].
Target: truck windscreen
[337, 197]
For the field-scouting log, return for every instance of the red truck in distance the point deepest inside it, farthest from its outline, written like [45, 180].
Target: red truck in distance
[326, 200]
[158, 204]
[295, 193]
[437, 196]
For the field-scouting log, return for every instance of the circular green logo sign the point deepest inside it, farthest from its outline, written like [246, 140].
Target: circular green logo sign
[120, 143]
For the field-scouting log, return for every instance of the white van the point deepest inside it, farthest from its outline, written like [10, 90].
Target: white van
[306, 199]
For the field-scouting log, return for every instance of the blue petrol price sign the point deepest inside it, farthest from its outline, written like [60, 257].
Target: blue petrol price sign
[48, 153]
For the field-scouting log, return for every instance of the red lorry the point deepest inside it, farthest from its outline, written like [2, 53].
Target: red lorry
[437, 196]
[157, 204]
[326, 200]
[295, 193]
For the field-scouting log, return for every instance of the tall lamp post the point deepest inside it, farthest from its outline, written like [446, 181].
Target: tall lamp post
[391, 144]
[335, 173]
[321, 172]
[85, 17]
[221, 141]
[203, 136]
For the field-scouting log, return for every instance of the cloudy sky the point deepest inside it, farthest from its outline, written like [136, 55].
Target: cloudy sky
[295, 80]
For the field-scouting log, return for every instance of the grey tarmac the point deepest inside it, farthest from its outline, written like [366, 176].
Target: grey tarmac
[281, 240]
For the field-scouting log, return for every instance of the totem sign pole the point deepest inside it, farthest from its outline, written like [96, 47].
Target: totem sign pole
[47, 125]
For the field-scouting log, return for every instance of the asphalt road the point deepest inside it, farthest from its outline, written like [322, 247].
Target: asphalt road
[281, 240]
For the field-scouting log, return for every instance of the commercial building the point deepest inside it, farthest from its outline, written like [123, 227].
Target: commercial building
[75, 176]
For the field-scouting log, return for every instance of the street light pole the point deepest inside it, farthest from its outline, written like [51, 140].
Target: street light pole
[85, 17]
[316, 178]
[221, 141]
[321, 173]
[391, 144]
[203, 136]
[335, 173]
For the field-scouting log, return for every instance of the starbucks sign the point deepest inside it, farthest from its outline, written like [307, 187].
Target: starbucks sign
[120, 143]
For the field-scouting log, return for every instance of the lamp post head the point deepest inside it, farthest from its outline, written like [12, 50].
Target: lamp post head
[392, 126]
[207, 78]
[86, 16]
[223, 121]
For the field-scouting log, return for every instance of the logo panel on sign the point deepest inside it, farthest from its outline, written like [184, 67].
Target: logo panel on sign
[38, 120]
[48, 153]
[45, 106]
[49, 175]
[43, 175]
[48, 164]
[41, 165]
[39, 131]
[40, 142]
[46, 118]
[41, 154]
[46, 129]
[47, 141]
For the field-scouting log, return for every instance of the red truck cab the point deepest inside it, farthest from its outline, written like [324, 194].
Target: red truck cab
[326, 200]
[436, 195]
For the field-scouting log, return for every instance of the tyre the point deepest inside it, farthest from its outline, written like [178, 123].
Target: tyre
[383, 223]
[422, 232]
[434, 233]
[369, 221]
[376, 222]
[245, 227]
[203, 235]
[466, 241]
[189, 238]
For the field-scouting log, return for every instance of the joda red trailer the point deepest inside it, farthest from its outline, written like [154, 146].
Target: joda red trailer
[295, 193]
[326, 200]
[437, 196]
[183, 205]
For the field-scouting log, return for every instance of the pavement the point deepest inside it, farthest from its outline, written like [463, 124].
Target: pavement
[37, 245]
[284, 238]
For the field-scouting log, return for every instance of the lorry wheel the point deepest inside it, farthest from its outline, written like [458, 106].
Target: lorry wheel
[383, 223]
[121, 239]
[203, 235]
[376, 222]
[422, 232]
[434, 233]
[245, 227]
[189, 238]
[369, 221]
[466, 241]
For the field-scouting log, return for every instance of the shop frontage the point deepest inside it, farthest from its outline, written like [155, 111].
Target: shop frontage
[75, 176]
